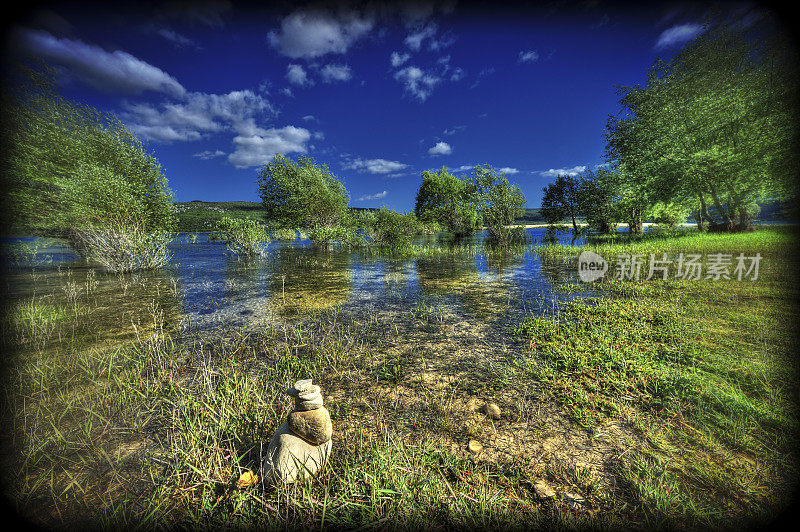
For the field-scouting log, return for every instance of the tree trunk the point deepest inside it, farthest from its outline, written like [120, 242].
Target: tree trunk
[703, 214]
[727, 223]
[745, 220]
[635, 222]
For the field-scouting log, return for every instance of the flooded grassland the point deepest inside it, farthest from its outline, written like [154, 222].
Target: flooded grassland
[142, 398]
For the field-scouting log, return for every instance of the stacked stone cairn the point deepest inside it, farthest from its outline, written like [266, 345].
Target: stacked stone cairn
[301, 445]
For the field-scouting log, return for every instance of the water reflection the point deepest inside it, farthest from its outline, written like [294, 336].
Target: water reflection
[206, 286]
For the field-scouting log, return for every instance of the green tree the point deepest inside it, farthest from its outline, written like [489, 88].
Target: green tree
[596, 196]
[560, 200]
[714, 128]
[499, 204]
[302, 194]
[71, 169]
[448, 200]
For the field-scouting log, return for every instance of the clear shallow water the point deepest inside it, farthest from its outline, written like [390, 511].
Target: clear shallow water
[205, 286]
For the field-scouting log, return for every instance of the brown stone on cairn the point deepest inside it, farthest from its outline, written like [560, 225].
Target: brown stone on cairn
[314, 426]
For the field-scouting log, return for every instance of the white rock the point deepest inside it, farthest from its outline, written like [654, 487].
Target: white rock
[290, 458]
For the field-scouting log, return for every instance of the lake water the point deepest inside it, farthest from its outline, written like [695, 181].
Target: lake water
[205, 286]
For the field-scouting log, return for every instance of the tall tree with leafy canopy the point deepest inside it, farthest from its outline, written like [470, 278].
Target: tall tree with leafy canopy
[560, 200]
[302, 194]
[499, 203]
[448, 200]
[715, 126]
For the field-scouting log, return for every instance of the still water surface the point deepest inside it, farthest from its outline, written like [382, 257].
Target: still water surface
[205, 286]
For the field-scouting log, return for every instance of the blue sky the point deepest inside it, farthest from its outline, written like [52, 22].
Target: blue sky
[378, 92]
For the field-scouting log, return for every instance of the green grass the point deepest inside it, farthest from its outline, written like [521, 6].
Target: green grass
[700, 368]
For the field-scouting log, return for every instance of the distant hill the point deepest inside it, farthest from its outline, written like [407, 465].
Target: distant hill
[203, 216]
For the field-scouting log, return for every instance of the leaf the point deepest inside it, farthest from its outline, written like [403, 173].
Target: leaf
[247, 480]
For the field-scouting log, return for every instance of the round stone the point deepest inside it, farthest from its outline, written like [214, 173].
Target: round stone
[492, 410]
[314, 426]
[475, 446]
[303, 385]
[290, 458]
[305, 404]
[310, 393]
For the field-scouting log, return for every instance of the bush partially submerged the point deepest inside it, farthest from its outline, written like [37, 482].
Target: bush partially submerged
[123, 248]
[245, 238]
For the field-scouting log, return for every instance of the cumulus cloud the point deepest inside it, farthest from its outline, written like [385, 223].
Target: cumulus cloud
[417, 82]
[441, 148]
[575, 170]
[374, 166]
[197, 115]
[331, 73]
[678, 35]
[296, 75]
[398, 59]
[115, 71]
[263, 144]
[531, 56]
[379, 195]
[310, 34]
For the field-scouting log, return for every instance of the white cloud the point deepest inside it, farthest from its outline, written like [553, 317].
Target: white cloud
[199, 114]
[379, 195]
[441, 148]
[296, 75]
[331, 73]
[464, 168]
[398, 59]
[677, 35]
[417, 82]
[374, 166]
[115, 71]
[457, 74]
[508, 170]
[310, 118]
[414, 40]
[311, 34]
[575, 170]
[209, 154]
[531, 56]
[174, 37]
[263, 144]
